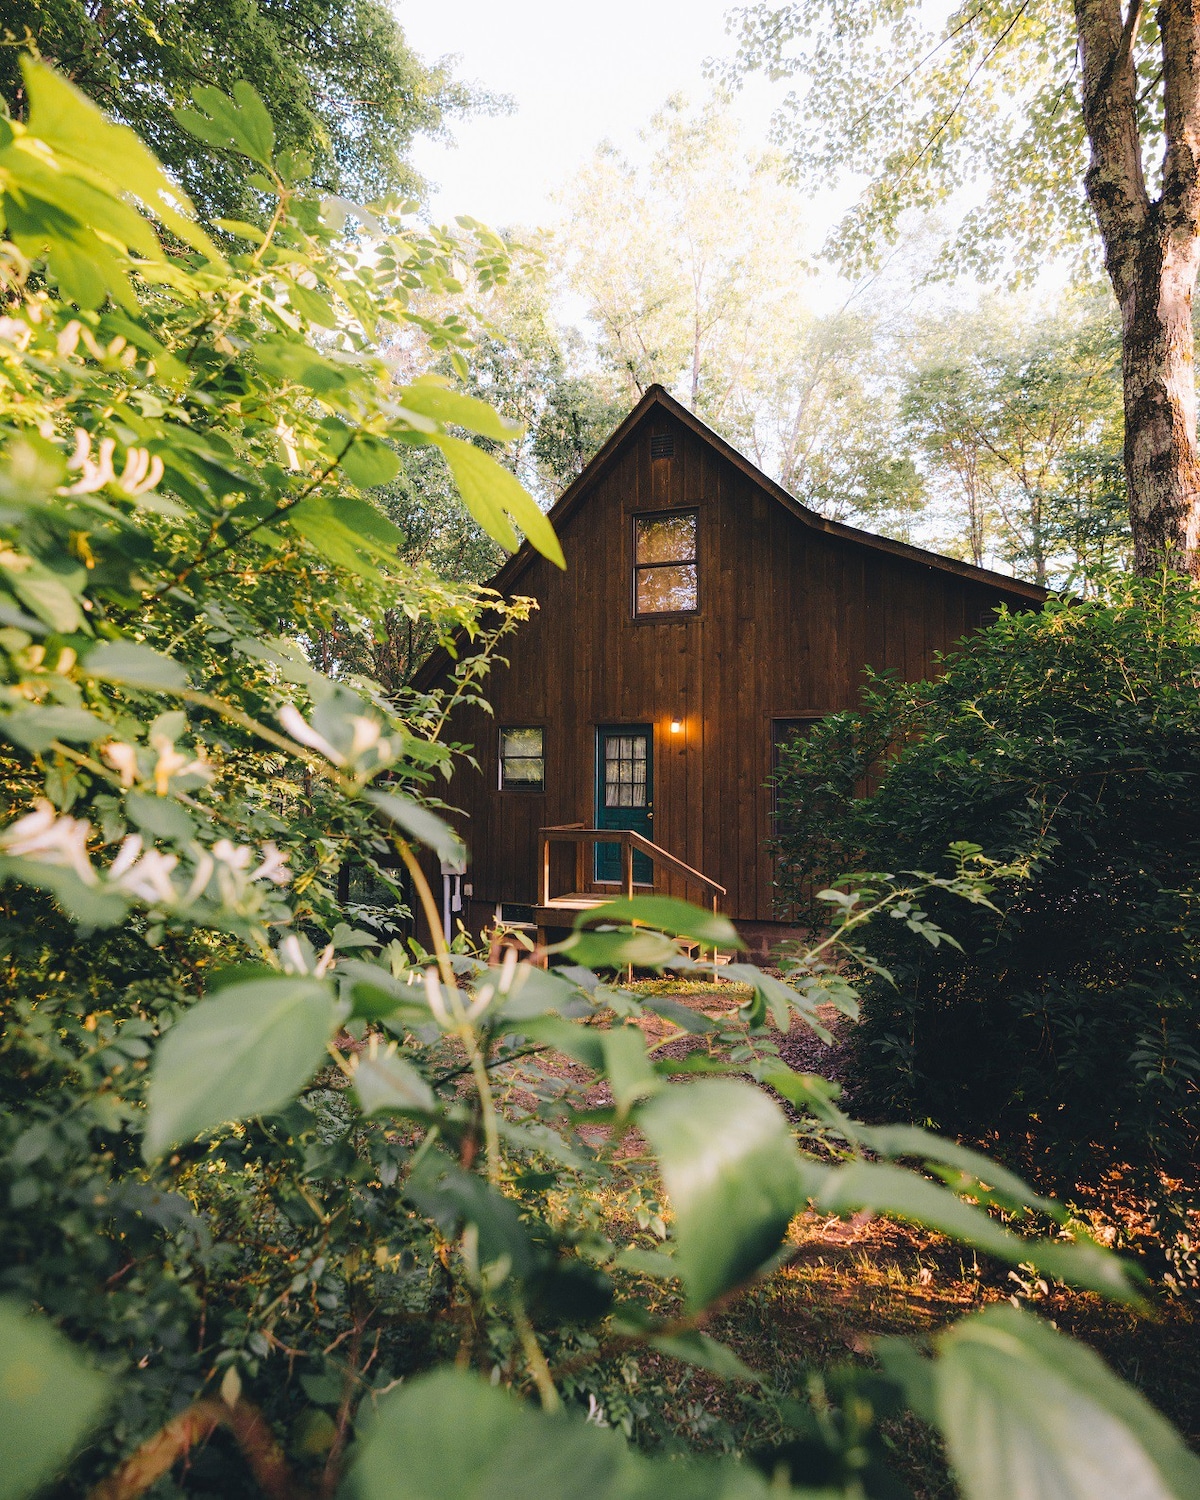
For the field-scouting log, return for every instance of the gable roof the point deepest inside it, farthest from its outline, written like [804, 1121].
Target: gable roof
[657, 399]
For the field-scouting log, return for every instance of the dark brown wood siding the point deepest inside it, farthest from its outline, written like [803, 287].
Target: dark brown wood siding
[789, 616]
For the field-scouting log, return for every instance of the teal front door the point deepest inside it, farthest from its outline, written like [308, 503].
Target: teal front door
[624, 794]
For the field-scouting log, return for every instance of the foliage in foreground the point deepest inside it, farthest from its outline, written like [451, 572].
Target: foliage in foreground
[279, 1177]
[1067, 745]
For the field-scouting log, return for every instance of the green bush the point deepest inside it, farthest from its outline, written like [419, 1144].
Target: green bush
[1065, 744]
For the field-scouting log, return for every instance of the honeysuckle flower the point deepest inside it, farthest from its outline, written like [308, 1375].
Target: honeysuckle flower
[51, 838]
[149, 878]
[236, 856]
[274, 866]
[302, 731]
[205, 866]
[141, 473]
[14, 331]
[96, 473]
[172, 763]
[131, 847]
[68, 338]
[123, 759]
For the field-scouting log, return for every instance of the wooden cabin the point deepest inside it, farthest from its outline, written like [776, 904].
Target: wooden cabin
[704, 615]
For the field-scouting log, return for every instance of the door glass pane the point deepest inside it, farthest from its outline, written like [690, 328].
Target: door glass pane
[625, 770]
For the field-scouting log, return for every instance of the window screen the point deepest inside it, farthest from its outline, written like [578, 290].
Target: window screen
[664, 564]
[625, 770]
[523, 759]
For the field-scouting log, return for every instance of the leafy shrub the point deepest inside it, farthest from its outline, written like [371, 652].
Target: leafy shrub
[262, 1171]
[1066, 745]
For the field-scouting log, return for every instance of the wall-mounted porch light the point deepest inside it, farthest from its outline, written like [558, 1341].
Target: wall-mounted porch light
[676, 726]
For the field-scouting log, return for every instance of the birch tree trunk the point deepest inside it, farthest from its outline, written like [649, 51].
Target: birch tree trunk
[1152, 250]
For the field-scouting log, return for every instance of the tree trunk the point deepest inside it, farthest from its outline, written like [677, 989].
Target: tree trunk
[1161, 461]
[1152, 250]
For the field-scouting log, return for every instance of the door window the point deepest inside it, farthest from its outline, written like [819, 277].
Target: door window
[625, 770]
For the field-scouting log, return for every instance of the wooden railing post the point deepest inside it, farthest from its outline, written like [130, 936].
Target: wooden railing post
[545, 870]
[627, 865]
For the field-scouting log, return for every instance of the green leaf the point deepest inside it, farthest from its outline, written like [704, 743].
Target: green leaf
[245, 1052]
[732, 1173]
[431, 398]
[87, 905]
[291, 360]
[703, 1351]
[347, 531]
[311, 305]
[419, 823]
[680, 1015]
[134, 666]
[614, 950]
[49, 1400]
[892, 1190]
[779, 998]
[79, 133]
[385, 1081]
[627, 1066]
[497, 499]
[911, 1140]
[452, 1198]
[1029, 1414]
[48, 597]
[531, 991]
[239, 124]
[368, 462]
[161, 817]
[451, 1436]
[666, 914]
[648, 1263]
[36, 729]
[583, 1043]
[375, 995]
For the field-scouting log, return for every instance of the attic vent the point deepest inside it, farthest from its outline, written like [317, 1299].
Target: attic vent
[662, 444]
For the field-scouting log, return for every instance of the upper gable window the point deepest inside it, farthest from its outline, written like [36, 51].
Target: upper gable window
[665, 579]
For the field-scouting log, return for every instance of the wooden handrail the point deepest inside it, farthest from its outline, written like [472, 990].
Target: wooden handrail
[577, 833]
[640, 841]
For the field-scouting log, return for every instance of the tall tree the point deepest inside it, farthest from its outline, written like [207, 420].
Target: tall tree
[338, 77]
[683, 261]
[692, 269]
[1056, 107]
[1017, 413]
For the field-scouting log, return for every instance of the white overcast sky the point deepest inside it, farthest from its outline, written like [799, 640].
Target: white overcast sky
[578, 74]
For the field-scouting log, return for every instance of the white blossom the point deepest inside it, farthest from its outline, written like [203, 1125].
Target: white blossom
[51, 838]
[96, 473]
[274, 866]
[236, 856]
[172, 763]
[123, 759]
[149, 879]
[131, 847]
[141, 473]
[299, 729]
